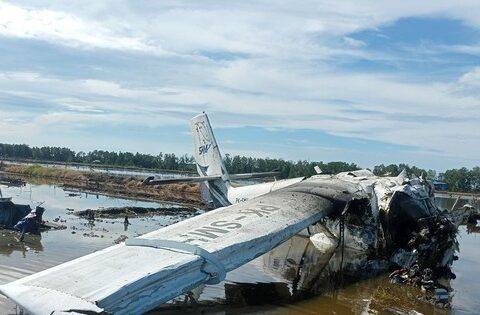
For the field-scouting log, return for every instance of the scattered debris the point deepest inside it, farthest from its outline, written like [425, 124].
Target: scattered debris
[90, 215]
[45, 225]
[397, 311]
[119, 212]
[31, 222]
[122, 238]
[59, 219]
[442, 295]
[91, 234]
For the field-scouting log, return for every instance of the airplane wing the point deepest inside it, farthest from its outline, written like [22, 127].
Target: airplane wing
[138, 275]
[254, 175]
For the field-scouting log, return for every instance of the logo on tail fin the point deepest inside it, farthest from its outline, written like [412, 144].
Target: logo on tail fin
[202, 150]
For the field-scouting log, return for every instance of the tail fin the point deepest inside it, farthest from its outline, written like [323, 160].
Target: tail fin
[209, 161]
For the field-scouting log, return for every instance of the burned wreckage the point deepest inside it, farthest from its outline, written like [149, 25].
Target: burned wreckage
[395, 223]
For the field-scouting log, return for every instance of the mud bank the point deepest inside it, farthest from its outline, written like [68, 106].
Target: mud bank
[119, 186]
[121, 212]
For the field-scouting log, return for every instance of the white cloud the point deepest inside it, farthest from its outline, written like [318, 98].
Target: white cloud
[268, 28]
[65, 29]
[353, 42]
[471, 78]
[468, 85]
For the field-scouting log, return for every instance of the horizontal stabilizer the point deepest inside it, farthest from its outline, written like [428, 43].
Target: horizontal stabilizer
[152, 180]
[163, 181]
[254, 175]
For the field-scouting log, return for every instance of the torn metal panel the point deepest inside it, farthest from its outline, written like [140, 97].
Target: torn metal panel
[11, 213]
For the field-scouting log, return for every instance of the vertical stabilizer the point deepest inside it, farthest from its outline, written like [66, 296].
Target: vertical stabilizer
[209, 160]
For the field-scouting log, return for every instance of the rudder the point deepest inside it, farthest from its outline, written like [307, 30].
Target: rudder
[209, 161]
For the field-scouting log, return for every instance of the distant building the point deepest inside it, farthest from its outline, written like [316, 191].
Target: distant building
[439, 185]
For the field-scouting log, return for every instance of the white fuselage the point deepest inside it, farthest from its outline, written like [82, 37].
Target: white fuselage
[244, 193]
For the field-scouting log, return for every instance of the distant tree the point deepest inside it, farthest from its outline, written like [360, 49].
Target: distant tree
[475, 179]
[379, 170]
[459, 179]
[228, 162]
[431, 174]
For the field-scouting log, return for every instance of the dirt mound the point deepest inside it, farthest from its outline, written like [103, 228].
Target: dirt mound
[120, 212]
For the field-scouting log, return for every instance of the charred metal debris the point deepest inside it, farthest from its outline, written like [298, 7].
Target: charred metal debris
[23, 218]
[397, 224]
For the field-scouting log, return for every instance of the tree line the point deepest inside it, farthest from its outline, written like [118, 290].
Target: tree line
[168, 161]
[463, 180]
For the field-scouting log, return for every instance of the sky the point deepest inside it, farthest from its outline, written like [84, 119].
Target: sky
[367, 82]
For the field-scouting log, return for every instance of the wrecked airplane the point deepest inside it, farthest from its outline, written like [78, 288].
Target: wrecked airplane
[386, 218]
[364, 221]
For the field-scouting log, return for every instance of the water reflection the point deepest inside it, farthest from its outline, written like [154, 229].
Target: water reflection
[299, 271]
[10, 242]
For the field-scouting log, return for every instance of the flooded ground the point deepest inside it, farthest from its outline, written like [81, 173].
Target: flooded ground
[294, 278]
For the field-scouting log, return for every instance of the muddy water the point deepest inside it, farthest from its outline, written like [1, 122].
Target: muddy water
[294, 278]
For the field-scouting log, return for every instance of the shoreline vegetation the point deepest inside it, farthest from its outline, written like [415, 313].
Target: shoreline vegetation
[458, 180]
[112, 185]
